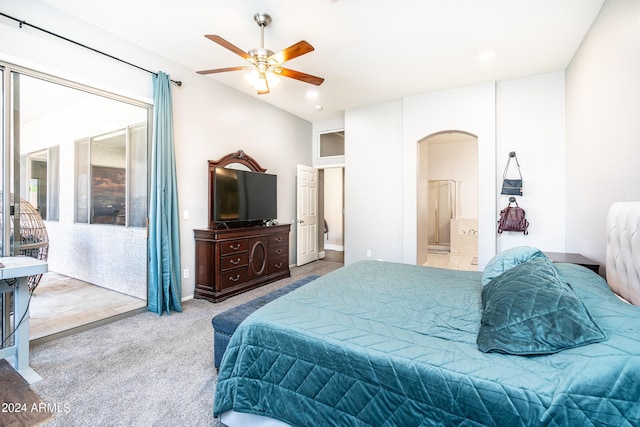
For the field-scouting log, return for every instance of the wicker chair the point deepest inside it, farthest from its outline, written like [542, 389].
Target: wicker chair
[34, 240]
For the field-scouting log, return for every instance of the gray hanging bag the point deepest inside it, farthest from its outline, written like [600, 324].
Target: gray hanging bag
[512, 187]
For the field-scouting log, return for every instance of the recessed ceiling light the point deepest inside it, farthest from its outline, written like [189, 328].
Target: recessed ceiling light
[486, 55]
[318, 107]
[312, 94]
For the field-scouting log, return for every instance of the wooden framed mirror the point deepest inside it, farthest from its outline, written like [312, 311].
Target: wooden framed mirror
[236, 160]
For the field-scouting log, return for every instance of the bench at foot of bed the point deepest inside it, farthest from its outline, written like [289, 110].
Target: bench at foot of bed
[226, 323]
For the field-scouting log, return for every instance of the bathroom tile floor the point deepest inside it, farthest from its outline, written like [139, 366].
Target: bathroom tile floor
[452, 262]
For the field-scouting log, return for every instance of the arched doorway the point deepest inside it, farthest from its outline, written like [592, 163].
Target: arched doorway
[447, 200]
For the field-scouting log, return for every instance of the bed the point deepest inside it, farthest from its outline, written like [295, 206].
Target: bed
[525, 342]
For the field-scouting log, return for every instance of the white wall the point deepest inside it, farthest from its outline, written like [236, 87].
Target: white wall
[210, 119]
[530, 121]
[603, 125]
[470, 109]
[524, 115]
[373, 183]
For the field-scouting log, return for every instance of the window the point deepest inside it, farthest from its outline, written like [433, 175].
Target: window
[111, 177]
[328, 148]
[332, 144]
[43, 182]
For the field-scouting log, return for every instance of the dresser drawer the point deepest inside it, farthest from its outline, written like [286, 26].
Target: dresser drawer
[233, 277]
[277, 251]
[278, 239]
[234, 246]
[234, 261]
[278, 264]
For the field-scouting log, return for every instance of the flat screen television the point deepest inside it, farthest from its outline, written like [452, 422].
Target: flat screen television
[244, 196]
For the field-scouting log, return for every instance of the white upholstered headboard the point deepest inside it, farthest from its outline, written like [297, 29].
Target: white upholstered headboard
[623, 250]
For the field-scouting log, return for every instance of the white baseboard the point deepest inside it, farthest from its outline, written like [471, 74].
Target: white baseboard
[339, 248]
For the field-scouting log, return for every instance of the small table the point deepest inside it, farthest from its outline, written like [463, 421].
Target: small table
[20, 268]
[574, 259]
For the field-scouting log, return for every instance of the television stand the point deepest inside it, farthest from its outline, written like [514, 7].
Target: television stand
[235, 260]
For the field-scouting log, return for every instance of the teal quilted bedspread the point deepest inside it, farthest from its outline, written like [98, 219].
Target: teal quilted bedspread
[385, 344]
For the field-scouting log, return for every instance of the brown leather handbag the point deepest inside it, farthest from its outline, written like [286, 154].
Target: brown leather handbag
[512, 218]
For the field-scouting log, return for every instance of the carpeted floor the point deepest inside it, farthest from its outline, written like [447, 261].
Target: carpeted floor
[145, 370]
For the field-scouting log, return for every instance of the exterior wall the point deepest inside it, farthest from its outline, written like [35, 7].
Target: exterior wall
[108, 256]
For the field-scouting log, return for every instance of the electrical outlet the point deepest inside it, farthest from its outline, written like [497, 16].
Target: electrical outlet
[369, 253]
[185, 273]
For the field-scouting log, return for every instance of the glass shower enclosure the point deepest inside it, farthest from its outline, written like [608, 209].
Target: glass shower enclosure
[442, 199]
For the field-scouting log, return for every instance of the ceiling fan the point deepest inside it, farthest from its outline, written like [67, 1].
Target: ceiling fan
[265, 65]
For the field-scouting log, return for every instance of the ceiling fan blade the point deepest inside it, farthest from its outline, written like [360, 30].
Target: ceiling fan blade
[291, 52]
[223, 70]
[307, 78]
[233, 48]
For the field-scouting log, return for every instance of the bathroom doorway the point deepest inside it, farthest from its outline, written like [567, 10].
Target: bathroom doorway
[448, 200]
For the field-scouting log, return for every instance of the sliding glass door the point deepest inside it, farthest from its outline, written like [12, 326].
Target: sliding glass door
[78, 156]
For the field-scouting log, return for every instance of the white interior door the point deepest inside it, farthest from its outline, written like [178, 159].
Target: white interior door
[307, 210]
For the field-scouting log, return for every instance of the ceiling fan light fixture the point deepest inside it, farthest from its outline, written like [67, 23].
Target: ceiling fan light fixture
[262, 82]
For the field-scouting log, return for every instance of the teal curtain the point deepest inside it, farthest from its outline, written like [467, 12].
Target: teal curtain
[165, 289]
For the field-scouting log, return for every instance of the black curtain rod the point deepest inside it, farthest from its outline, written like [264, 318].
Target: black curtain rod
[22, 23]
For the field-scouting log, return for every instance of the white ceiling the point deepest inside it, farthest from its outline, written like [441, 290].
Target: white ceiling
[368, 51]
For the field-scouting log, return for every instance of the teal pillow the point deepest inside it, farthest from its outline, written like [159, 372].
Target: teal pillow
[529, 310]
[507, 259]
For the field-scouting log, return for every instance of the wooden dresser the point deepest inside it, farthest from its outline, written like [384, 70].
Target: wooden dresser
[235, 260]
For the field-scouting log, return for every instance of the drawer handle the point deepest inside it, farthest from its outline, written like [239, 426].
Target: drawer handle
[235, 279]
[278, 265]
[235, 247]
[236, 262]
[278, 239]
[279, 252]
